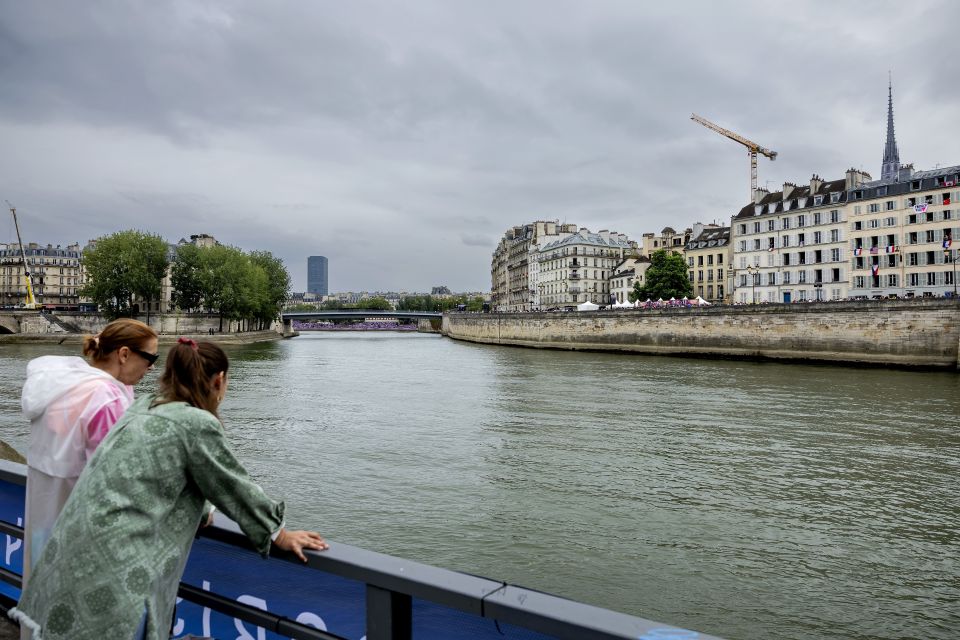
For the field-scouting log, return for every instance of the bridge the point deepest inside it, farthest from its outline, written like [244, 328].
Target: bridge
[357, 314]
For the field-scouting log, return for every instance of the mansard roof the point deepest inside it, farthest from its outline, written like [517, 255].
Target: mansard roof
[710, 238]
[800, 199]
[587, 238]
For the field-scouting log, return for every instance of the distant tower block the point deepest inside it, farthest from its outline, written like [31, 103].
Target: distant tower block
[317, 276]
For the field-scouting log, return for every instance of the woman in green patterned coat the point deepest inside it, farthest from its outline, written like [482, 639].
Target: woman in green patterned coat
[114, 561]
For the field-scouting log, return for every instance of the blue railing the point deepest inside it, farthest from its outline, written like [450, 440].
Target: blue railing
[345, 593]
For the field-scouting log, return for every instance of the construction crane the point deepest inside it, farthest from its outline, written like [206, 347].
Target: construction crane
[31, 302]
[752, 148]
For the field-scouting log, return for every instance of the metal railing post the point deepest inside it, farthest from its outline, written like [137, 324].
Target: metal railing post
[389, 615]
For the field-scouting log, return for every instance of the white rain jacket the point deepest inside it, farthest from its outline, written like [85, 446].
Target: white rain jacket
[71, 407]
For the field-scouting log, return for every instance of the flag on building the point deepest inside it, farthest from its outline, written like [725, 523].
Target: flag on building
[858, 251]
[875, 269]
[920, 208]
[891, 248]
[874, 249]
[947, 241]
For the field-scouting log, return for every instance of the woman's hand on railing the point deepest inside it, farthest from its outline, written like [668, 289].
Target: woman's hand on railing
[297, 541]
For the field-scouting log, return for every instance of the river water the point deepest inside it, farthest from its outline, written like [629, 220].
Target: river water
[746, 500]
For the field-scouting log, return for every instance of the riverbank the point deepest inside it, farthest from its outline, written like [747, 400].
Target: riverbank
[917, 334]
[245, 337]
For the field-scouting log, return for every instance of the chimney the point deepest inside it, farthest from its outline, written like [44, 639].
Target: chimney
[759, 195]
[815, 183]
[855, 178]
[788, 188]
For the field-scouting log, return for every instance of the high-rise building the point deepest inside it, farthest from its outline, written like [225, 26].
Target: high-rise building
[317, 276]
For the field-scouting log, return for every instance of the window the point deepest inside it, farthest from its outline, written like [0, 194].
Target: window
[801, 220]
[771, 243]
[817, 237]
[930, 236]
[914, 279]
[818, 256]
[858, 282]
[802, 257]
[915, 185]
[834, 235]
[699, 261]
[785, 241]
[835, 197]
[858, 225]
[834, 216]
[835, 275]
[881, 191]
[945, 198]
[786, 277]
[742, 229]
[817, 201]
[873, 208]
[913, 259]
[892, 280]
[947, 215]
[690, 261]
[742, 246]
[771, 278]
[890, 222]
[801, 238]
[786, 259]
[891, 205]
[817, 217]
[858, 263]
[801, 277]
[834, 255]
[710, 260]
[719, 258]
[771, 225]
[756, 227]
[931, 279]
[756, 244]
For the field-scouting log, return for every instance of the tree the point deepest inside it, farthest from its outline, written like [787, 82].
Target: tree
[378, 303]
[666, 278]
[121, 266]
[277, 289]
[186, 277]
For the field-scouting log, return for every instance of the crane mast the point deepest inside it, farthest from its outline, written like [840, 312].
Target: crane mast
[31, 302]
[752, 148]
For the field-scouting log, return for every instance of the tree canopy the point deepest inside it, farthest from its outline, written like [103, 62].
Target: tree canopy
[234, 284]
[666, 278]
[122, 266]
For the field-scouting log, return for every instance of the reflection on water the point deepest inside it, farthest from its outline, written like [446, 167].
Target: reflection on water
[742, 499]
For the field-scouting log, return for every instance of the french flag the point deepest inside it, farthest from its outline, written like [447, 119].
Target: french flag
[858, 251]
[875, 269]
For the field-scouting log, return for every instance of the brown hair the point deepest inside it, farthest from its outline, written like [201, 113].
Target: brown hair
[189, 369]
[124, 332]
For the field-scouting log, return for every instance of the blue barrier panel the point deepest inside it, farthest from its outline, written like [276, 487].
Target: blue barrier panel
[348, 592]
[11, 510]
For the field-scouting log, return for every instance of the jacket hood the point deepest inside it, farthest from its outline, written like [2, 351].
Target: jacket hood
[49, 377]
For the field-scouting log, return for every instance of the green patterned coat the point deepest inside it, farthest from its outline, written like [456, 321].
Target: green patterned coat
[120, 545]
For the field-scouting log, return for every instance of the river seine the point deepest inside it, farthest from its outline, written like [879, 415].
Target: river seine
[746, 500]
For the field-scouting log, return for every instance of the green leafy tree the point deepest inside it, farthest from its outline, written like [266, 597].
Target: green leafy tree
[186, 277]
[122, 266]
[277, 286]
[666, 278]
[379, 303]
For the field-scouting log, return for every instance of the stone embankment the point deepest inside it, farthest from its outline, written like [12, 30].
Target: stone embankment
[901, 333]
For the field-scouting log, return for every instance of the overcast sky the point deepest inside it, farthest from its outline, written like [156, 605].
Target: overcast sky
[401, 139]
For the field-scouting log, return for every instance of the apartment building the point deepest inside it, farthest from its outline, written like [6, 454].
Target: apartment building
[902, 231]
[56, 274]
[792, 245]
[576, 268]
[515, 269]
[668, 239]
[707, 254]
[631, 270]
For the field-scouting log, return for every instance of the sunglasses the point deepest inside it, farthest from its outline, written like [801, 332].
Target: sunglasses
[146, 355]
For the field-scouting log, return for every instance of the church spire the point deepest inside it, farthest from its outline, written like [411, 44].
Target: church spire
[891, 155]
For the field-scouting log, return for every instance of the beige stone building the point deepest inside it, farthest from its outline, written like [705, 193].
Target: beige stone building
[707, 254]
[793, 245]
[514, 269]
[576, 268]
[56, 274]
[668, 239]
[902, 232]
[629, 271]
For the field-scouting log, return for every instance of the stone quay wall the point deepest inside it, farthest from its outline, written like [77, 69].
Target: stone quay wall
[922, 333]
[33, 323]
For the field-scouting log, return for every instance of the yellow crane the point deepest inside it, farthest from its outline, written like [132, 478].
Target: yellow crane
[31, 302]
[752, 148]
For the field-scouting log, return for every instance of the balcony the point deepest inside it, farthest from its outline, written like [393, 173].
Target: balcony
[574, 275]
[573, 290]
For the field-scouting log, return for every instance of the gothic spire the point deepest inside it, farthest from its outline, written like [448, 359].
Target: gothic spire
[891, 155]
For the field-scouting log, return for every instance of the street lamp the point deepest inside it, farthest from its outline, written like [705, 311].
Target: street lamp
[752, 271]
